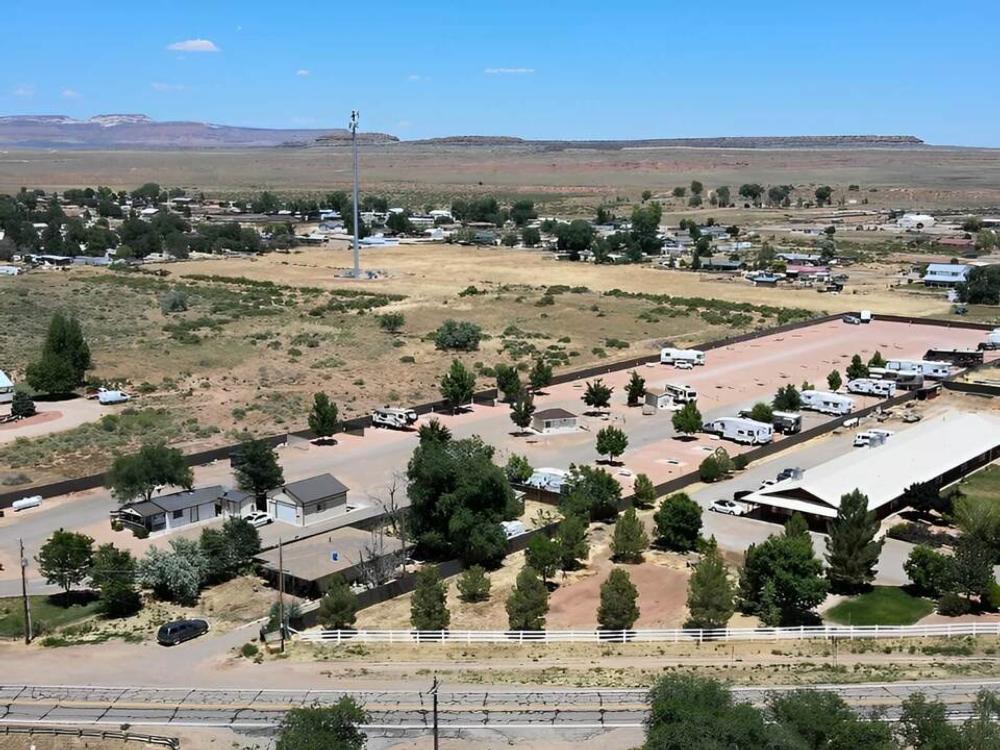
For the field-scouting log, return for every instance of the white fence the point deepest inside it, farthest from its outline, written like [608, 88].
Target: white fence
[675, 635]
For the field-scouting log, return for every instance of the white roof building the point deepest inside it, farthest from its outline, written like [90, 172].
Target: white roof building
[884, 472]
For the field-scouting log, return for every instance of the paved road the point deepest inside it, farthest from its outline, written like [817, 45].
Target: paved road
[410, 710]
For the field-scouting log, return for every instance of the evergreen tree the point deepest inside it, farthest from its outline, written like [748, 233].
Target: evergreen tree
[834, 381]
[762, 412]
[636, 388]
[574, 544]
[338, 609]
[643, 492]
[508, 382]
[65, 340]
[323, 417]
[428, 607]
[852, 552]
[540, 375]
[458, 385]
[113, 573]
[611, 442]
[522, 409]
[257, 469]
[319, 727]
[52, 374]
[528, 602]
[597, 395]
[544, 555]
[474, 585]
[22, 405]
[618, 609]
[678, 523]
[710, 592]
[787, 398]
[687, 419]
[433, 432]
[593, 493]
[877, 360]
[629, 540]
[857, 368]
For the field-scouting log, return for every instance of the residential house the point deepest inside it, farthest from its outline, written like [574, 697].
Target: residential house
[549, 421]
[172, 511]
[946, 274]
[721, 263]
[308, 501]
[806, 259]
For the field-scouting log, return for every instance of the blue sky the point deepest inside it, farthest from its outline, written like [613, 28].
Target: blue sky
[542, 69]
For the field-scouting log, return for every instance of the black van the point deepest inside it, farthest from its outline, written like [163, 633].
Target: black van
[174, 632]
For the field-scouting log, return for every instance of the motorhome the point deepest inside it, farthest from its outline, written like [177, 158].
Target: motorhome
[927, 368]
[906, 380]
[872, 387]
[681, 394]
[398, 419]
[741, 430]
[827, 403]
[670, 356]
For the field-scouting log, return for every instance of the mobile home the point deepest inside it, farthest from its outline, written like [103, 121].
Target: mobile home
[872, 387]
[669, 356]
[827, 403]
[927, 368]
[741, 430]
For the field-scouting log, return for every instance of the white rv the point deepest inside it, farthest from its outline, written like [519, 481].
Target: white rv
[671, 356]
[398, 419]
[827, 403]
[6, 388]
[872, 387]
[992, 341]
[903, 379]
[741, 430]
[925, 367]
[681, 394]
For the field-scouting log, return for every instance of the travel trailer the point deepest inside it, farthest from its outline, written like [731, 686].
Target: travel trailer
[741, 430]
[6, 388]
[927, 368]
[905, 380]
[872, 387]
[785, 422]
[681, 394]
[670, 356]
[398, 419]
[827, 403]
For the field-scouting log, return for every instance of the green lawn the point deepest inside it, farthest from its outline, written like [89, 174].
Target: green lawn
[984, 484]
[883, 605]
[45, 611]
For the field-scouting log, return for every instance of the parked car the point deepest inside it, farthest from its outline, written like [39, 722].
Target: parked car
[729, 507]
[258, 518]
[910, 417]
[852, 320]
[178, 631]
[683, 364]
[787, 473]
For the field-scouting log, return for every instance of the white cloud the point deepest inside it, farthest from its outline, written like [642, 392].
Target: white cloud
[24, 90]
[70, 94]
[160, 86]
[415, 77]
[194, 45]
[509, 71]
[303, 73]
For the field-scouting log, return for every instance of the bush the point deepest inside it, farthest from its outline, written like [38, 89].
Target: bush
[474, 585]
[993, 597]
[916, 533]
[176, 300]
[709, 470]
[741, 462]
[953, 605]
[458, 335]
[391, 322]
[929, 571]
[249, 650]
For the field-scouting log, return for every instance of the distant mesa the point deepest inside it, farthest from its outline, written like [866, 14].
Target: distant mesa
[112, 131]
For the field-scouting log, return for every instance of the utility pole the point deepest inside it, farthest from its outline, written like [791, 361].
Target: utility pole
[24, 595]
[357, 226]
[281, 595]
[434, 693]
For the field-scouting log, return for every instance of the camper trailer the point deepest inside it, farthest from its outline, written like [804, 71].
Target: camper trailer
[786, 422]
[827, 403]
[927, 368]
[905, 380]
[670, 356]
[741, 430]
[397, 419]
[681, 394]
[872, 387]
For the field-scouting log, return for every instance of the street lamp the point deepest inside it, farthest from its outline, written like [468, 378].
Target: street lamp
[357, 227]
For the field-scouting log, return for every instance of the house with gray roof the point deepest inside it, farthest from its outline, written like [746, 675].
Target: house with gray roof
[308, 501]
[172, 511]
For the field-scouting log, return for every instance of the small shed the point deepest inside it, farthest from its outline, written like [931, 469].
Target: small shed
[659, 399]
[308, 501]
[548, 421]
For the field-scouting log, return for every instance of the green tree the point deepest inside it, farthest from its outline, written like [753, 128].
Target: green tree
[924, 725]
[574, 237]
[544, 555]
[518, 469]
[687, 419]
[317, 727]
[752, 192]
[65, 339]
[643, 235]
[930, 572]
[113, 573]
[523, 211]
[323, 417]
[709, 470]
[392, 322]
[338, 609]
[857, 368]
[592, 493]
[852, 552]
[433, 432]
[574, 544]
[429, 607]
[531, 237]
[678, 523]
[528, 602]
[787, 398]
[474, 585]
[710, 597]
[821, 719]
[643, 492]
[508, 381]
[522, 409]
[629, 540]
[834, 381]
[140, 474]
[982, 286]
[229, 550]
[458, 385]
[597, 395]
[176, 575]
[619, 608]
[679, 192]
[257, 469]
[877, 360]
[762, 412]
[65, 559]
[540, 375]
[823, 195]
[696, 187]
[22, 405]
[635, 388]
[723, 195]
[611, 442]
[973, 568]
[51, 374]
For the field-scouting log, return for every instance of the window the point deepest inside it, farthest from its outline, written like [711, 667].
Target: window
[320, 507]
[178, 514]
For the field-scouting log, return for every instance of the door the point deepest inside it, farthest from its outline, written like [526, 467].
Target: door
[284, 512]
